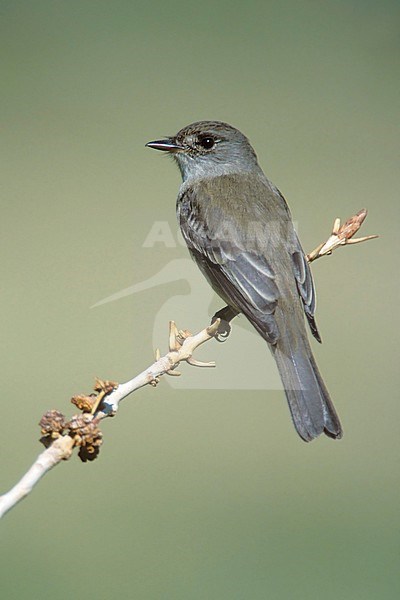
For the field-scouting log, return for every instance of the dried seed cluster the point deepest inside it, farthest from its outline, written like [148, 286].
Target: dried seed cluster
[87, 435]
[84, 403]
[82, 428]
[53, 423]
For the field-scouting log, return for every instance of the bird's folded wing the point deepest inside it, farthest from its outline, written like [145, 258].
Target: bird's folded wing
[230, 258]
[243, 277]
[305, 286]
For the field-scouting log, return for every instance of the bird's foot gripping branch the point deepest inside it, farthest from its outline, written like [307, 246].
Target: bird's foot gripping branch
[82, 431]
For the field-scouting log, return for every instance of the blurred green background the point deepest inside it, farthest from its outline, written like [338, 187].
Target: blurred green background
[197, 494]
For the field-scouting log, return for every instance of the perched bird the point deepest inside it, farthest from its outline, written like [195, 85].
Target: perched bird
[239, 230]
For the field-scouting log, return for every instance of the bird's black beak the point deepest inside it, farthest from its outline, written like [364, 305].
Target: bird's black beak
[167, 145]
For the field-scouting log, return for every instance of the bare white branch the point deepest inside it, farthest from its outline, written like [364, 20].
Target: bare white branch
[182, 344]
[61, 449]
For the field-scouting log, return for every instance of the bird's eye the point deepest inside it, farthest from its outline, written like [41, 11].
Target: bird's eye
[207, 142]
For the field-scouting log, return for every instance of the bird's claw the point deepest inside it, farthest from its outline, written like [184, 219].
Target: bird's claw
[223, 330]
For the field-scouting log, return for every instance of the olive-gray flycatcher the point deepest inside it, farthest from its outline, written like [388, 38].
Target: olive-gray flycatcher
[239, 230]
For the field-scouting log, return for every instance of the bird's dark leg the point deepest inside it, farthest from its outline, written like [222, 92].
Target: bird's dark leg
[226, 315]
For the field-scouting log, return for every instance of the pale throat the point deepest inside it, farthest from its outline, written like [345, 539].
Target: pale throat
[205, 166]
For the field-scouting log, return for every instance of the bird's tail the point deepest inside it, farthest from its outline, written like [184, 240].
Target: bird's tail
[312, 409]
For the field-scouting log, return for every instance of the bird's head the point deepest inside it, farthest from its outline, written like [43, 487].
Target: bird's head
[209, 149]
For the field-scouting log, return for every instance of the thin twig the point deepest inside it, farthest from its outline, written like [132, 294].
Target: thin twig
[342, 235]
